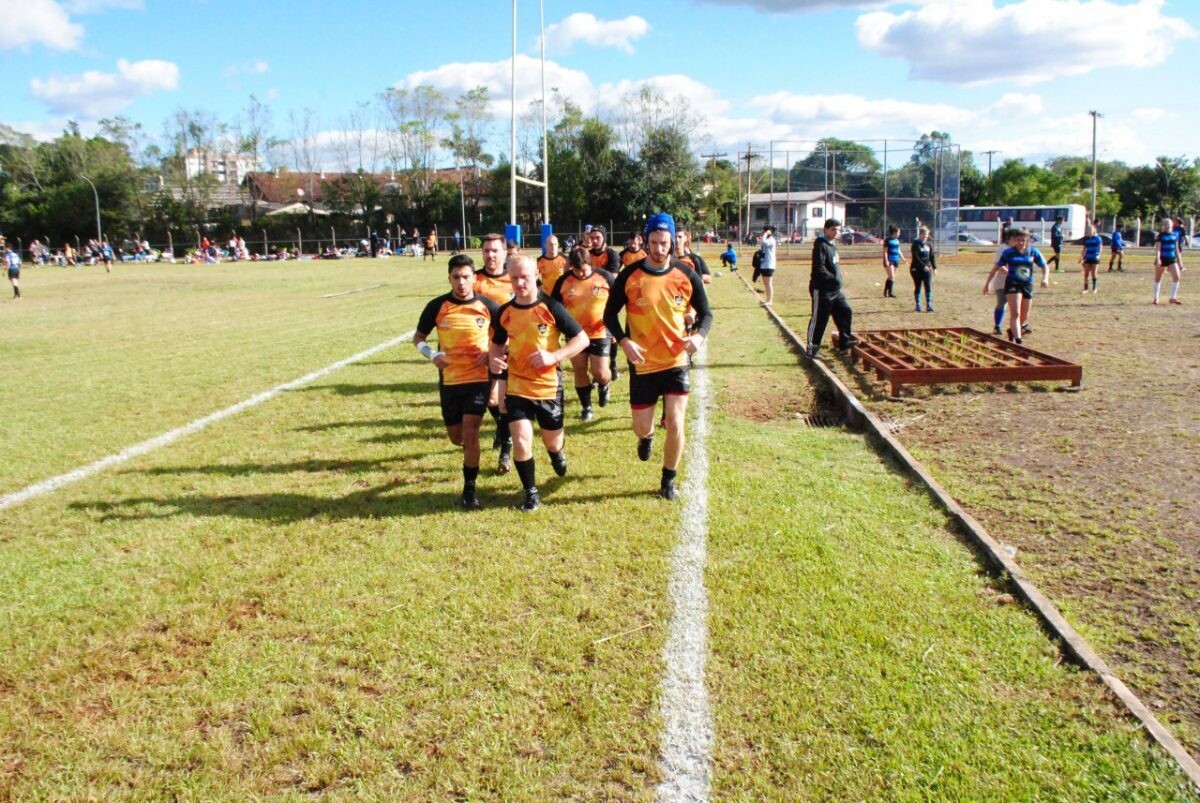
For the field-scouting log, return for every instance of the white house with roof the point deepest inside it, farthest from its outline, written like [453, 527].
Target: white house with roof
[801, 212]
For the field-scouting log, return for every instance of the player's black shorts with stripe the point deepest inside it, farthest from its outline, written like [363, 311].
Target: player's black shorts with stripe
[646, 389]
[599, 347]
[548, 413]
[1092, 262]
[459, 400]
[1024, 288]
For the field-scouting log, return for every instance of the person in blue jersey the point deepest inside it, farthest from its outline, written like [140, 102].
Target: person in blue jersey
[1167, 259]
[1056, 242]
[1181, 233]
[1018, 262]
[1117, 248]
[12, 261]
[729, 256]
[922, 266]
[997, 284]
[1089, 256]
[106, 254]
[891, 260]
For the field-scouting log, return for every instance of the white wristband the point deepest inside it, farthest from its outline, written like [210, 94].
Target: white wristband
[425, 349]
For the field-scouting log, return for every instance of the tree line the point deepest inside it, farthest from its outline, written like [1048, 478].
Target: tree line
[614, 167]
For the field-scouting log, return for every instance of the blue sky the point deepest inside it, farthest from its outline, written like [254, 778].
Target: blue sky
[1015, 76]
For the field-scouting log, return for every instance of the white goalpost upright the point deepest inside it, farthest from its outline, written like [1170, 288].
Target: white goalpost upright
[512, 231]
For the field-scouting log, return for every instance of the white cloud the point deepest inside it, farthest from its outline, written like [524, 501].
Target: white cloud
[94, 94]
[42, 22]
[92, 6]
[681, 89]
[1026, 42]
[788, 6]
[258, 67]
[587, 28]
[455, 79]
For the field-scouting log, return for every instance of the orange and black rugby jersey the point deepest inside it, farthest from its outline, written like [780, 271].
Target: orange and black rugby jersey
[585, 299]
[629, 256]
[498, 288]
[605, 260]
[463, 329]
[527, 328]
[656, 302]
[551, 269]
[696, 263]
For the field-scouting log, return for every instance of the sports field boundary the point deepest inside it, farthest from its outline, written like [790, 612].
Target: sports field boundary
[995, 558]
[687, 738]
[91, 469]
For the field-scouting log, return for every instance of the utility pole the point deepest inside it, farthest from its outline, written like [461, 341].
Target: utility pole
[1095, 114]
[750, 155]
[989, 156]
[711, 157]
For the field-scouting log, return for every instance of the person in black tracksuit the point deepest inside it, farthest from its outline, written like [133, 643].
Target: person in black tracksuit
[825, 287]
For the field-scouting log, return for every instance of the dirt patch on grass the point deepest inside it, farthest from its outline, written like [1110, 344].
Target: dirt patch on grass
[1097, 489]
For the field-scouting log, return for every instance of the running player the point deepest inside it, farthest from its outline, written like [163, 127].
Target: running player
[633, 251]
[922, 267]
[106, 254]
[600, 255]
[1117, 248]
[584, 291]
[1090, 255]
[462, 320]
[532, 326]
[12, 261]
[1018, 262]
[1167, 257]
[825, 287]
[655, 294]
[891, 260]
[493, 282]
[684, 253]
[551, 264]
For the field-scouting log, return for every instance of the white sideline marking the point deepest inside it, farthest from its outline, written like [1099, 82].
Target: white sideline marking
[687, 721]
[355, 290]
[54, 483]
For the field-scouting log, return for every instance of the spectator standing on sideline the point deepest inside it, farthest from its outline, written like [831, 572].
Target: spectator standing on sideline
[825, 288]
[12, 261]
[656, 294]
[527, 333]
[462, 320]
[922, 267]
[457, 241]
[1117, 249]
[767, 269]
[431, 244]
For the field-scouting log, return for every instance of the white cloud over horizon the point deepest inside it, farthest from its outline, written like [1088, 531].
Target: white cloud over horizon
[587, 28]
[96, 94]
[976, 42]
[43, 22]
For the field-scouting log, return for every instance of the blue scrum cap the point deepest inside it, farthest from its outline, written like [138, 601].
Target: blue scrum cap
[660, 221]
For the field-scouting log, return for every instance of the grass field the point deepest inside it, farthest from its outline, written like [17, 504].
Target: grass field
[286, 603]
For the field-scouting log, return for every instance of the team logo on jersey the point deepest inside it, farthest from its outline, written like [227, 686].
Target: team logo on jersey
[596, 290]
[679, 301]
[480, 323]
[543, 328]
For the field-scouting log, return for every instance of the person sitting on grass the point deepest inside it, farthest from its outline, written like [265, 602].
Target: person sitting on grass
[729, 256]
[1017, 262]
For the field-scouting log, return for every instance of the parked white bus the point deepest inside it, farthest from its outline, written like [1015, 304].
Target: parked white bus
[985, 222]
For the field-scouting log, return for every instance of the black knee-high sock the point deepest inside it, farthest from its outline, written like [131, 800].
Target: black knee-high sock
[502, 433]
[585, 395]
[887, 288]
[668, 474]
[525, 470]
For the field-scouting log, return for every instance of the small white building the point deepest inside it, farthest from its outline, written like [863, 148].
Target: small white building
[803, 213]
[228, 168]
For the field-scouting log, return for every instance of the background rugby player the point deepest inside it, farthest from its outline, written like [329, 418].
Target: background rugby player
[493, 282]
[584, 292]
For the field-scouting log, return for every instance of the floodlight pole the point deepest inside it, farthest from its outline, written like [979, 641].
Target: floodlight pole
[1095, 114]
[96, 195]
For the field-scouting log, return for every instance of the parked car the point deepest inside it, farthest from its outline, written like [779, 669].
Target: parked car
[859, 237]
[966, 238]
[1104, 238]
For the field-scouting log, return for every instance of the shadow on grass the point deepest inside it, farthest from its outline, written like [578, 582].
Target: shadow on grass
[348, 389]
[379, 423]
[250, 469]
[394, 498]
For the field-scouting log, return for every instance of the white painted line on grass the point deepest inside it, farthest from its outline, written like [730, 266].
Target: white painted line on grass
[54, 483]
[355, 290]
[687, 721]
